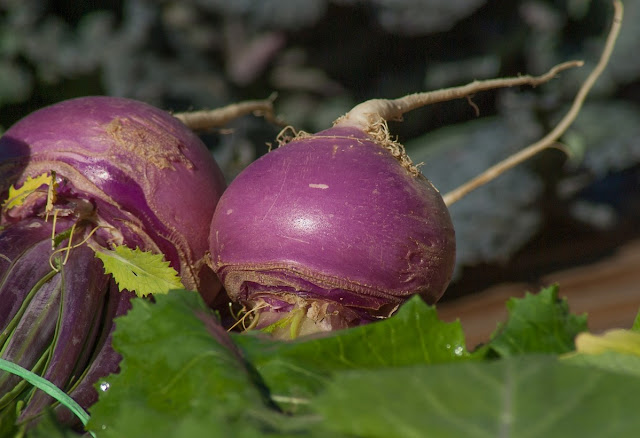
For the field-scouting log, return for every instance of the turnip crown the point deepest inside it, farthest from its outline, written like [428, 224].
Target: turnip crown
[332, 217]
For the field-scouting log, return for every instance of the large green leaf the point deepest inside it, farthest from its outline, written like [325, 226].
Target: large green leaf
[408, 376]
[297, 370]
[180, 376]
[526, 396]
[538, 323]
[609, 360]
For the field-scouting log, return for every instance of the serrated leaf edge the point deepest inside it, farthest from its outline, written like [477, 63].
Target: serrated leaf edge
[118, 254]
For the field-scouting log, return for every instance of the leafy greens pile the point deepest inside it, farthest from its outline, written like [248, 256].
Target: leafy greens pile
[412, 375]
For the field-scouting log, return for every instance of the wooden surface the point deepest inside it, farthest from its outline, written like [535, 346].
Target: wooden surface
[608, 291]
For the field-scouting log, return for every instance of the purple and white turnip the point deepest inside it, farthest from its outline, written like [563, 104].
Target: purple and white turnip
[124, 165]
[330, 231]
[125, 173]
[338, 228]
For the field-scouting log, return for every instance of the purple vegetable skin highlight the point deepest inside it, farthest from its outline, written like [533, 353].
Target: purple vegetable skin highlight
[136, 175]
[330, 231]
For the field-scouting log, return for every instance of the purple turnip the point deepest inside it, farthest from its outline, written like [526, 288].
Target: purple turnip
[135, 168]
[338, 228]
[329, 231]
[119, 172]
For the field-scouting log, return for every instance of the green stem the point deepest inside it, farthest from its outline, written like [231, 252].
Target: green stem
[48, 387]
[294, 330]
[292, 321]
[6, 399]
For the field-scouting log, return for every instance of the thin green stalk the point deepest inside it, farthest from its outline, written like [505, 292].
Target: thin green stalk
[48, 387]
[6, 399]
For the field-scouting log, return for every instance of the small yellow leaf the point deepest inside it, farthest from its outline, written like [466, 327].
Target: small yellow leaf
[18, 196]
[617, 340]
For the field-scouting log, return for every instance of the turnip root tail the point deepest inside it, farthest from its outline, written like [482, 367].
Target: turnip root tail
[371, 116]
[551, 138]
[372, 111]
[208, 119]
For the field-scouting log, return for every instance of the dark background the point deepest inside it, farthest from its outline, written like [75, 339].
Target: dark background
[322, 57]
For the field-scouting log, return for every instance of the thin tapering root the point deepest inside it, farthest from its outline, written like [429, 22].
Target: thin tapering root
[207, 119]
[253, 313]
[372, 116]
[393, 109]
[53, 227]
[69, 246]
[235, 315]
[287, 134]
[551, 139]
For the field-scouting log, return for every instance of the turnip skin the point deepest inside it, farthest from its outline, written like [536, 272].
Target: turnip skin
[130, 171]
[332, 224]
[149, 176]
[28, 240]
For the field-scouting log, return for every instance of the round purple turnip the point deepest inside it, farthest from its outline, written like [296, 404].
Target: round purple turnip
[142, 171]
[331, 230]
[125, 173]
[339, 228]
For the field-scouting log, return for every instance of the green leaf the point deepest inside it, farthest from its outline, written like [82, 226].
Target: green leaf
[141, 271]
[408, 376]
[609, 360]
[526, 396]
[537, 323]
[636, 323]
[180, 376]
[44, 385]
[296, 370]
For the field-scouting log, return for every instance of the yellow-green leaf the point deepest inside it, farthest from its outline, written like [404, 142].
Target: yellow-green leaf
[139, 271]
[17, 196]
[616, 340]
